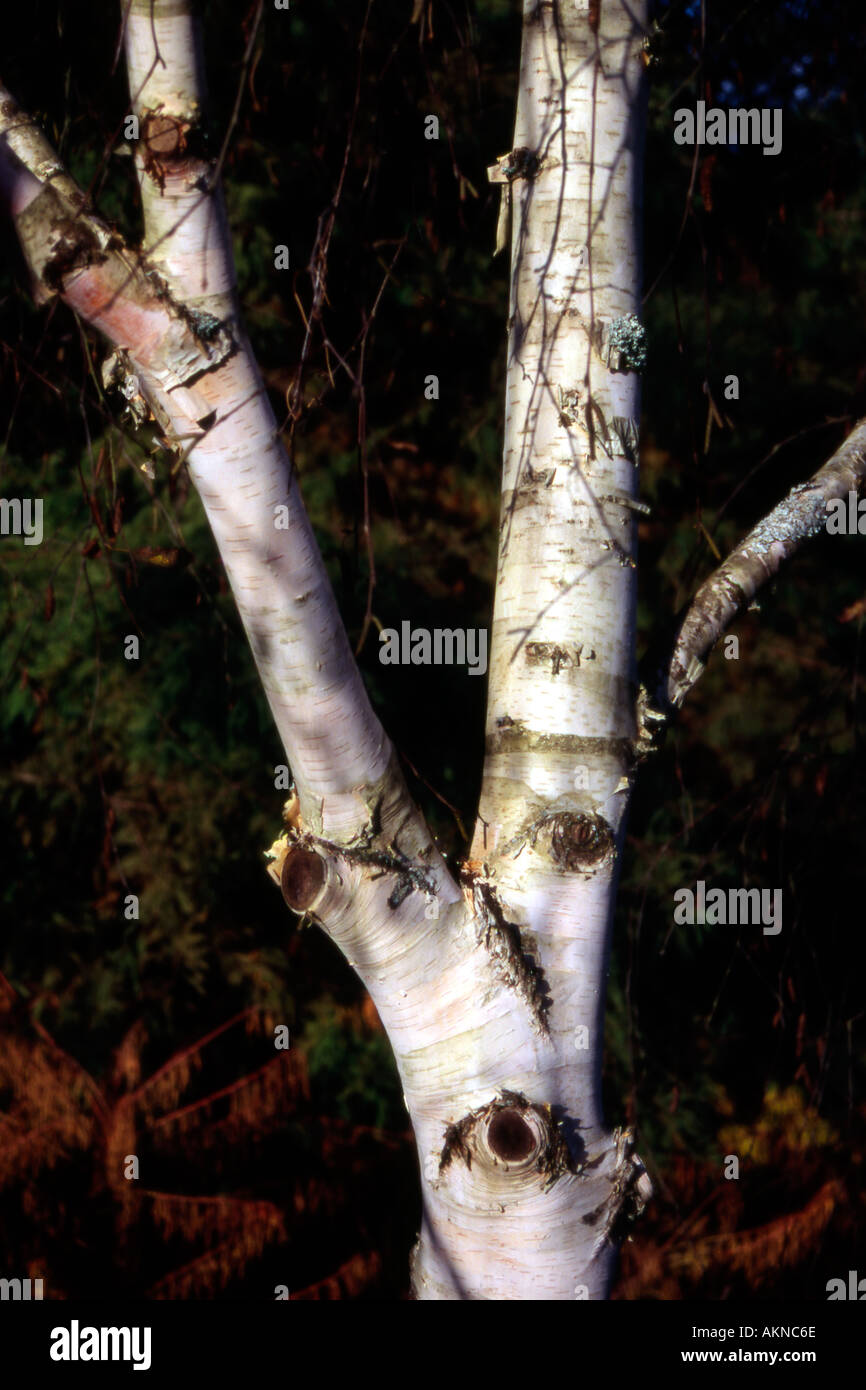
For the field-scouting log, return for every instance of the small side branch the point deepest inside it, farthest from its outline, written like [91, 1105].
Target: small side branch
[757, 558]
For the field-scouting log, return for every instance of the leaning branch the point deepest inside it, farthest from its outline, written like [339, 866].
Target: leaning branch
[757, 558]
[196, 371]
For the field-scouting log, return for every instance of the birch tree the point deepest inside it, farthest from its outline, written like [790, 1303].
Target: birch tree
[489, 981]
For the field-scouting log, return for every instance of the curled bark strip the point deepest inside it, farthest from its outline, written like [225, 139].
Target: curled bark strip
[802, 514]
[630, 1191]
[514, 966]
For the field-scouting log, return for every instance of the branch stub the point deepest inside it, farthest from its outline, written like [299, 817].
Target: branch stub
[302, 878]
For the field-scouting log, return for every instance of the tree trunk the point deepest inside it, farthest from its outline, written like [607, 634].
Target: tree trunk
[491, 989]
[561, 719]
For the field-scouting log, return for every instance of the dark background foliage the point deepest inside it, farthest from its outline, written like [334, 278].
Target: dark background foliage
[156, 777]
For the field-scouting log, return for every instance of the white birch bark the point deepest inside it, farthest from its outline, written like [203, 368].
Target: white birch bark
[561, 711]
[484, 986]
[240, 468]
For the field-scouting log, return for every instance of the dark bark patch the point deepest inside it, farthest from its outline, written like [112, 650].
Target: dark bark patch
[520, 163]
[213, 336]
[506, 722]
[515, 737]
[76, 248]
[540, 653]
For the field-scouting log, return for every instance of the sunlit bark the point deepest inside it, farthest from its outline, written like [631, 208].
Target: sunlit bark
[491, 989]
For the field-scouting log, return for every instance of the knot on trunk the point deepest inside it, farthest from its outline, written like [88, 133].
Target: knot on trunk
[507, 1137]
[308, 879]
[302, 878]
[165, 136]
[579, 841]
[317, 875]
[170, 144]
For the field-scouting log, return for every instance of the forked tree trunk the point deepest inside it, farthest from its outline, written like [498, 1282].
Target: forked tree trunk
[492, 988]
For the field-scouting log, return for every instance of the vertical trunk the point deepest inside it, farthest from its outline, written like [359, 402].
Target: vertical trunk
[561, 711]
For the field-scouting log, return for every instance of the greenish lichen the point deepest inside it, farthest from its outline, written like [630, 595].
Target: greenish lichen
[625, 343]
